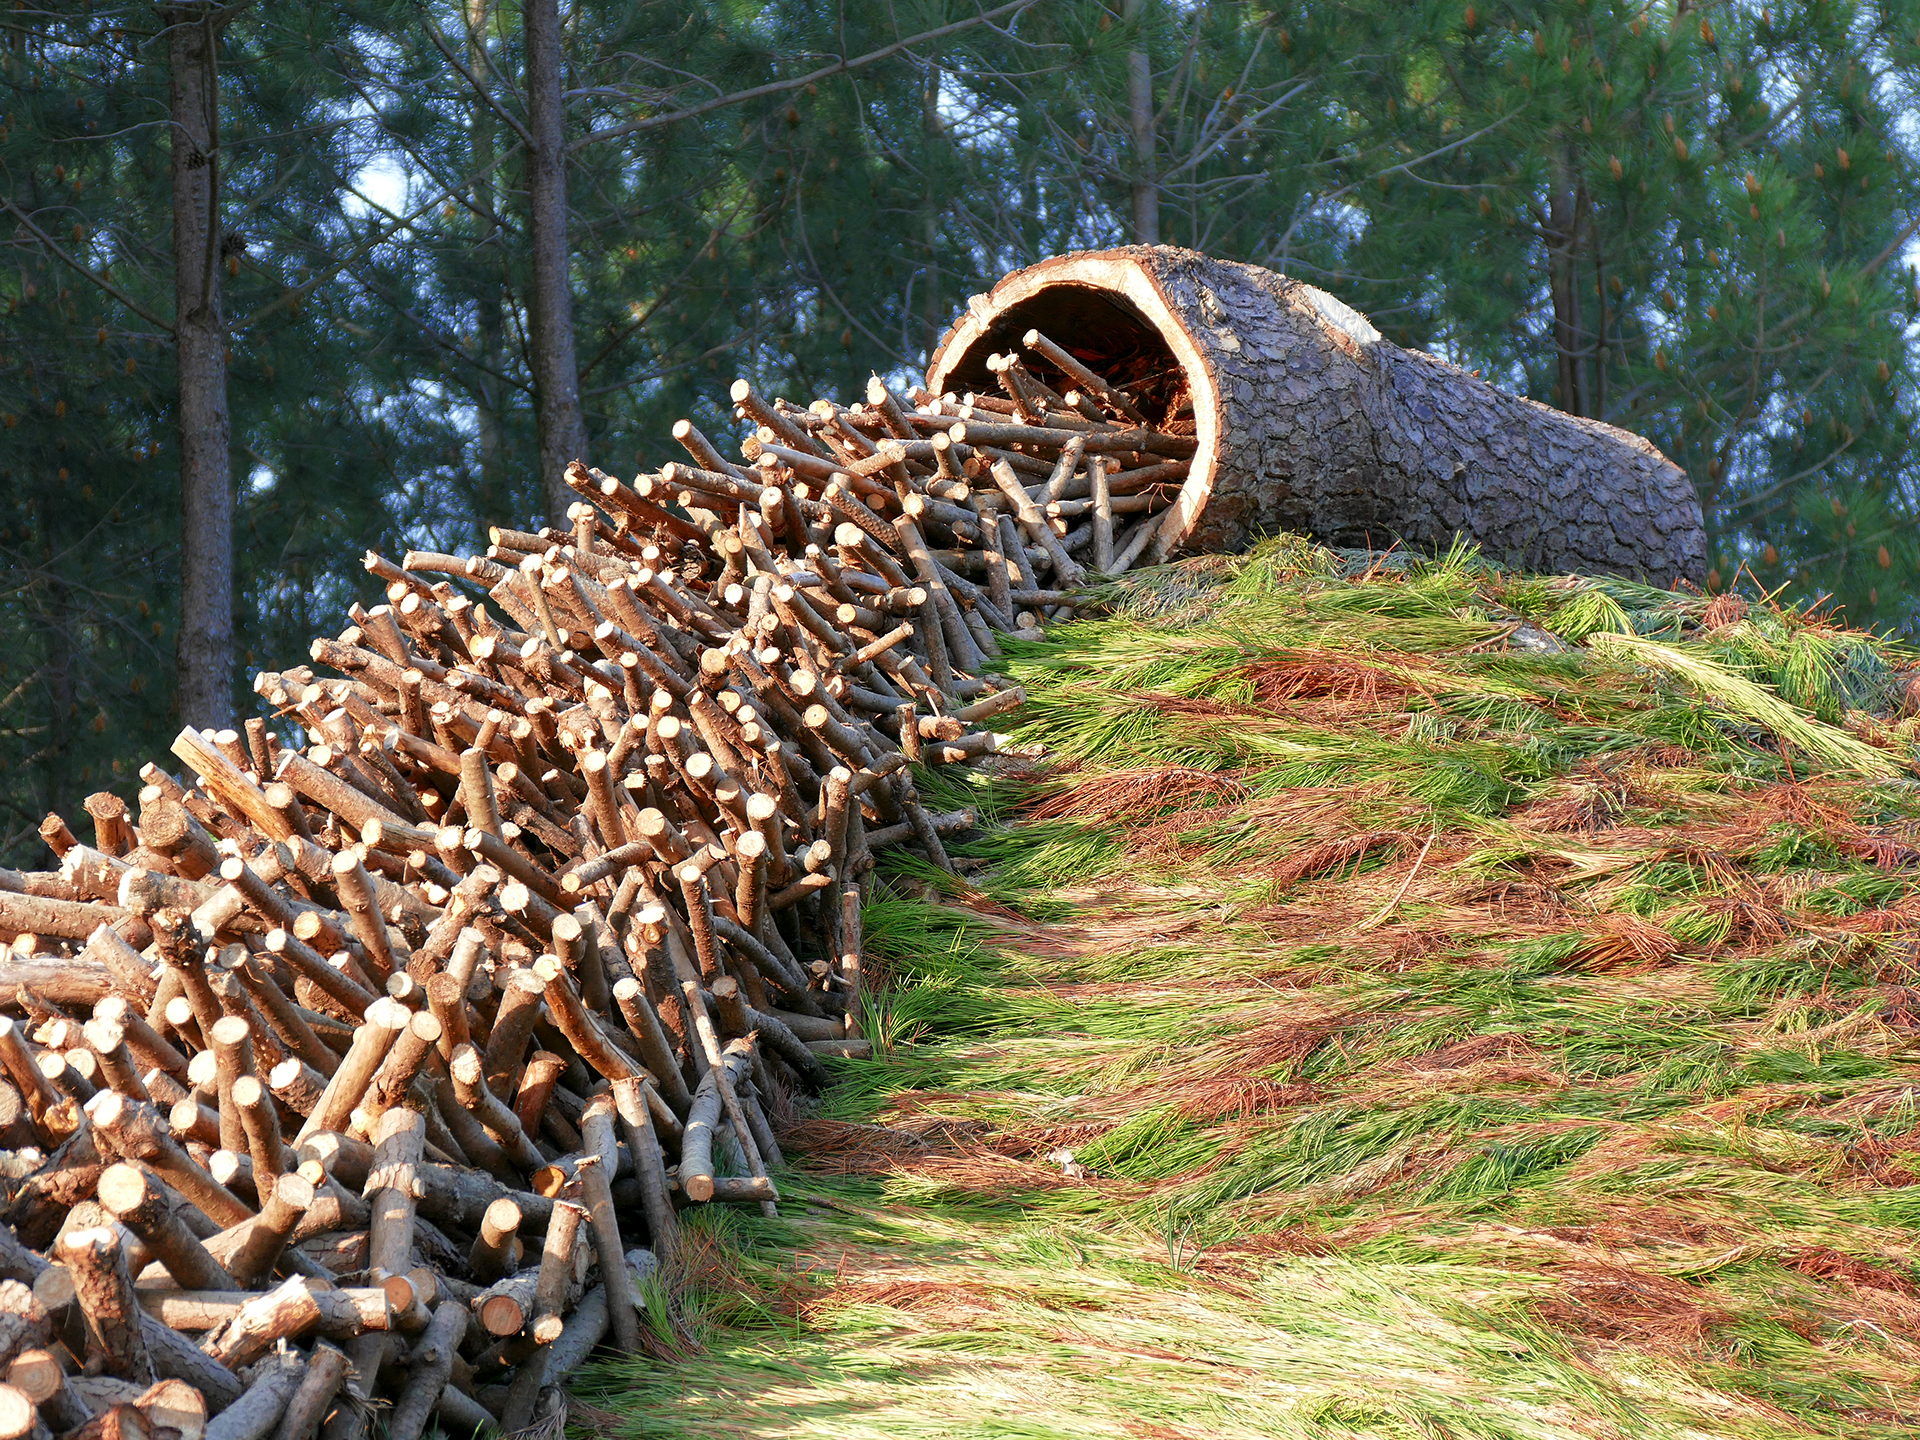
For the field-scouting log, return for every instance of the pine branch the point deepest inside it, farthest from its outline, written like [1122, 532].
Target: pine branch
[473, 80]
[101, 282]
[781, 87]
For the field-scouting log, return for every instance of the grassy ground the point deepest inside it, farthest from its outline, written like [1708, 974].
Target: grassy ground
[1411, 1001]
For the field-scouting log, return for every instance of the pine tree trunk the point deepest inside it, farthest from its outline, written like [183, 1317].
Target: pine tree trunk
[204, 650]
[1564, 210]
[556, 375]
[1146, 188]
[490, 327]
[931, 125]
[1309, 421]
[54, 611]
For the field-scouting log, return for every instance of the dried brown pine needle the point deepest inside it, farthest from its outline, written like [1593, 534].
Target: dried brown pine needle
[1639, 1307]
[1136, 794]
[1333, 855]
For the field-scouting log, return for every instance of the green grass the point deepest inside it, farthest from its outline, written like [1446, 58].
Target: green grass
[1581, 1105]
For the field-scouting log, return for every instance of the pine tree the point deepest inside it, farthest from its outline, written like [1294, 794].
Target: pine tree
[91, 521]
[330, 438]
[1687, 220]
[799, 237]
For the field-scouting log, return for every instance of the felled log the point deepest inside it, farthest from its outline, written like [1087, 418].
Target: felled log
[326, 1371]
[1306, 419]
[104, 1291]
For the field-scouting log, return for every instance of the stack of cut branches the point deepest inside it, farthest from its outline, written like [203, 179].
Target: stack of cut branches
[355, 1071]
[998, 503]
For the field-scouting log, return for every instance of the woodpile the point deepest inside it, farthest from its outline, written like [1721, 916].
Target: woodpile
[356, 1079]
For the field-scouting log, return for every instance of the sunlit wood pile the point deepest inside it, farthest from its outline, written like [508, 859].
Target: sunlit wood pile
[355, 1075]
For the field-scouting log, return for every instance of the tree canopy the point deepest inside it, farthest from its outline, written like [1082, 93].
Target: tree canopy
[1690, 219]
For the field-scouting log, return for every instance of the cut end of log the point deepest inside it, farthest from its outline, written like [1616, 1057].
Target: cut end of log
[123, 1188]
[175, 1405]
[36, 1374]
[17, 1413]
[698, 1187]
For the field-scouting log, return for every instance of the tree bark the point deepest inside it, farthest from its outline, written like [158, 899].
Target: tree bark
[1307, 420]
[558, 415]
[204, 649]
[105, 1292]
[173, 1355]
[69, 919]
[392, 1188]
[430, 1367]
[177, 1357]
[310, 1403]
[1565, 206]
[256, 1414]
[490, 328]
[934, 129]
[1146, 184]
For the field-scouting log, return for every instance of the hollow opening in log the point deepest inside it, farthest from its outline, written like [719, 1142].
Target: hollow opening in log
[1102, 330]
[1110, 314]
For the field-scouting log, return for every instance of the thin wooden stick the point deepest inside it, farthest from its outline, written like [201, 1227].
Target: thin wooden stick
[104, 1290]
[139, 1203]
[556, 1263]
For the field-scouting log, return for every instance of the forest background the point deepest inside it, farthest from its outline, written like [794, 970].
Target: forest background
[285, 282]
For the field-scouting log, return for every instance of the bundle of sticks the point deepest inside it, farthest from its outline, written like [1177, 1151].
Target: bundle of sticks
[1000, 502]
[369, 1066]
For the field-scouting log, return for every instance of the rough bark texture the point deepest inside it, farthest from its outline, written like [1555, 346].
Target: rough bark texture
[176, 1356]
[204, 652]
[256, 1414]
[1140, 121]
[314, 1398]
[1309, 421]
[430, 1367]
[105, 1292]
[556, 376]
[489, 313]
[391, 1191]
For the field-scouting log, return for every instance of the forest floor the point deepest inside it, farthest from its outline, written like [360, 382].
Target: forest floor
[1405, 1000]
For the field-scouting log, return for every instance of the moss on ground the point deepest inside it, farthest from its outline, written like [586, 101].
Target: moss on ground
[1407, 999]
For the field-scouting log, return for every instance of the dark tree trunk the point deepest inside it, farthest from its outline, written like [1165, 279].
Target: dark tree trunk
[204, 650]
[57, 616]
[1308, 421]
[1601, 318]
[556, 376]
[1564, 211]
[490, 327]
[930, 303]
[1140, 124]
